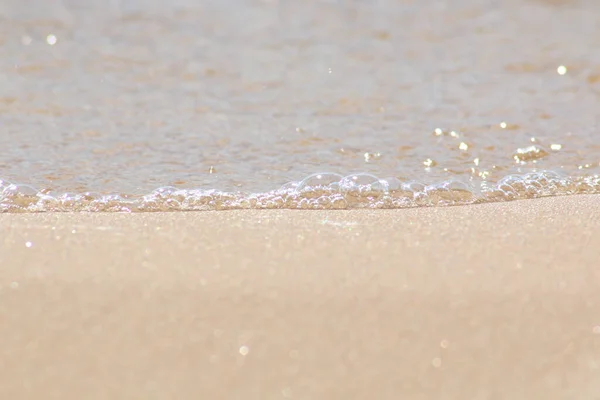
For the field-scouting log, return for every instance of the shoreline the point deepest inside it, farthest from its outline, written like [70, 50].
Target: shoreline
[316, 192]
[494, 300]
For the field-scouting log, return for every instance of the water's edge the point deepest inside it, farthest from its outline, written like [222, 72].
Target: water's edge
[318, 192]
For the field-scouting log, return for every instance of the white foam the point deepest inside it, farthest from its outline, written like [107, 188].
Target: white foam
[318, 191]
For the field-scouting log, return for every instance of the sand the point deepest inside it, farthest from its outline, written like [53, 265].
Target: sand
[493, 301]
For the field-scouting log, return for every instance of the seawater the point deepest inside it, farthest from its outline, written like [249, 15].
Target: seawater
[128, 105]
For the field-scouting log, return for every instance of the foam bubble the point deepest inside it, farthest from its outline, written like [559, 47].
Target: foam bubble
[315, 181]
[318, 191]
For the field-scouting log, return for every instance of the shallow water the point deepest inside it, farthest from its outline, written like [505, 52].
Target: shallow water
[218, 104]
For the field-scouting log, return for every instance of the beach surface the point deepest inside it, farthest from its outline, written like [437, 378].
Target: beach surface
[492, 301]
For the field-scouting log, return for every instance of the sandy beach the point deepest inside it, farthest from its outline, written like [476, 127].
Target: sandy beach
[205, 106]
[493, 301]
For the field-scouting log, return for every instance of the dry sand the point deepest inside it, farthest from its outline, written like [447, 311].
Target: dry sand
[494, 301]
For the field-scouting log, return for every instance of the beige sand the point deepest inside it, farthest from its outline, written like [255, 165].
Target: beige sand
[496, 301]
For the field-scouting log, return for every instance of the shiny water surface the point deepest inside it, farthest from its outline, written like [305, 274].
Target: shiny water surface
[128, 105]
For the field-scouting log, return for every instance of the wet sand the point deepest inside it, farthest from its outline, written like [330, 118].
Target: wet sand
[494, 301]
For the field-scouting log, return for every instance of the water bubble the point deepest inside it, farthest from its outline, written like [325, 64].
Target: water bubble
[289, 186]
[317, 191]
[338, 202]
[20, 190]
[172, 204]
[450, 193]
[321, 180]
[414, 187]
[456, 185]
[18, 197]
[509, 186]
[363, 190]
[356, 181]
[393, 184]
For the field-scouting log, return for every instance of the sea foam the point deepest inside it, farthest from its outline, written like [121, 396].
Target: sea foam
[316, 192]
